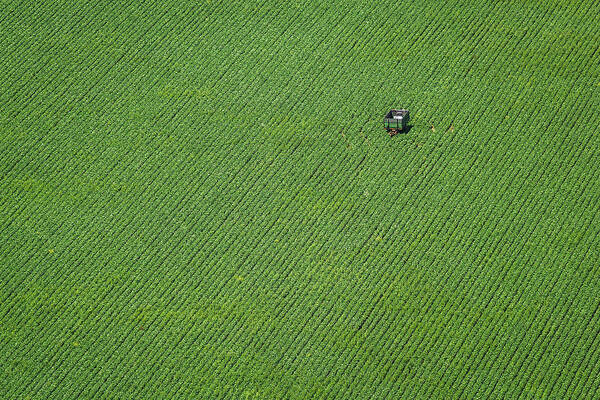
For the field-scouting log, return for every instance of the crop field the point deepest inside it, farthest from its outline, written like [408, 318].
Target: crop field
[199, 200]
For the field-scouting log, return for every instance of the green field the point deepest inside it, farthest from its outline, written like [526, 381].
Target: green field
[199, 200]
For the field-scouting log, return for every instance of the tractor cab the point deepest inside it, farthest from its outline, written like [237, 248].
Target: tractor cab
[395, 121]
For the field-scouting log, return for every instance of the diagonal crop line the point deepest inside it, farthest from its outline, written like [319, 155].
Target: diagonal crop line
[41, 67]
[19, 211]
[202, 256]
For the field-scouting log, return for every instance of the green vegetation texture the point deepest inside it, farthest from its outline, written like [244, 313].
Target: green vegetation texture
[199, 200]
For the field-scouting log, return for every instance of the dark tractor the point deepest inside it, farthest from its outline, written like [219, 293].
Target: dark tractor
[395, 121]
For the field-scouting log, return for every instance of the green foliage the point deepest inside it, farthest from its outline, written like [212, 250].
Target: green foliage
[200, 201]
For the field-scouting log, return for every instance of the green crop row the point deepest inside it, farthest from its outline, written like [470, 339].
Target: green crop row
[200, 201]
